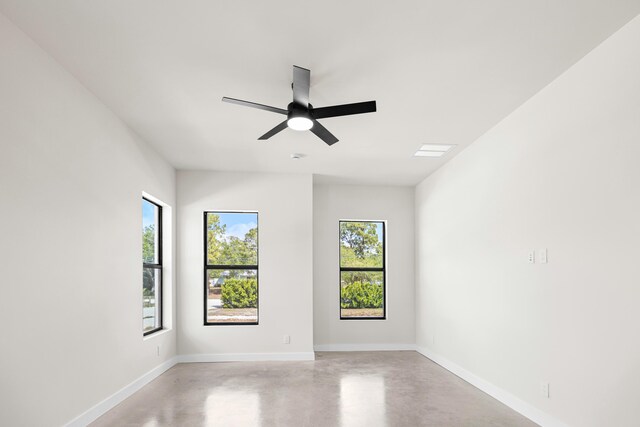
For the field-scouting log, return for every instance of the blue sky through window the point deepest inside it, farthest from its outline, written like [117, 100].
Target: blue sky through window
[148, 213]
[379, 230]
[238, 223]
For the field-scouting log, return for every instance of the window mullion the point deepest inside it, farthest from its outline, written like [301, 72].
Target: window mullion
[159, 266]
[231, 267]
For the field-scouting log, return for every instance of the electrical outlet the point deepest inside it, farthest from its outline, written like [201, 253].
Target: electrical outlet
[532, 257]
[286, 339]
[544, 389]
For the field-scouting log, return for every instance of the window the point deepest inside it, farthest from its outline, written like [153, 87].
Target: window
[151, 267]
[231, 268]
[362, 270]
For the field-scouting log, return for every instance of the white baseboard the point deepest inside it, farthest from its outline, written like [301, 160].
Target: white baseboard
[110, 402]
[363, 347]
[244, 357]
[518, 405]
[515, 403]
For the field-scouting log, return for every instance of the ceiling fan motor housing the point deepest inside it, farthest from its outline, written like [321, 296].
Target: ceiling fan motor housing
[297, 110]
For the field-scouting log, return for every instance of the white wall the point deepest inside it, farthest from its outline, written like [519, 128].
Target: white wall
[395, 205]
[284, 206]
[563, 173]
[71, 182]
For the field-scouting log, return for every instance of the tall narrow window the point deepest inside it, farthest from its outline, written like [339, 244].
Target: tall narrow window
[231, 268]
[151, 267]
[362, 270]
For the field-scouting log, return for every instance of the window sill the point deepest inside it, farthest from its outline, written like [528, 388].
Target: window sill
[156, 334]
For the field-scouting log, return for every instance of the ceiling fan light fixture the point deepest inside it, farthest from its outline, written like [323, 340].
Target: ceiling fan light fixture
[300, 123]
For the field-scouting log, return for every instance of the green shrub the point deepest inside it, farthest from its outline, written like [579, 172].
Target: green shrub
[361, 295]
[240, 293]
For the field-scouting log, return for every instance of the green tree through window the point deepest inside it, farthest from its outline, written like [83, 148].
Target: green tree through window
[231, 268]
[362, 270]
[151, 267]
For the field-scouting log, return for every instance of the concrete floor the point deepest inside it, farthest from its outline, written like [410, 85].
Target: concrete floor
[355, 389]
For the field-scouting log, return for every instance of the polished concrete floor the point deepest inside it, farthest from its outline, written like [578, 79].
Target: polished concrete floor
[356, 389]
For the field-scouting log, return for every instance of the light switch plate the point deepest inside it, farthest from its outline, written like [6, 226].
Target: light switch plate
[542, 256]
[544, 389]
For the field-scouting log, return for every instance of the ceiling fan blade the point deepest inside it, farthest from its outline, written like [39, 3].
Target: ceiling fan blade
[275, 130]
[344, 110]
[322, 133]
[301, 82]
[254, 105]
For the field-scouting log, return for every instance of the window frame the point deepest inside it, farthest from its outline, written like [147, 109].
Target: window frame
[158, 266]
[208, 267]
[382, 270]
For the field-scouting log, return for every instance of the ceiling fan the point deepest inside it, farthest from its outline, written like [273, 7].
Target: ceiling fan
[301, 115]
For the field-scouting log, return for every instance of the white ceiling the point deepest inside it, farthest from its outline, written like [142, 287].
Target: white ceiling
[440, 71]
